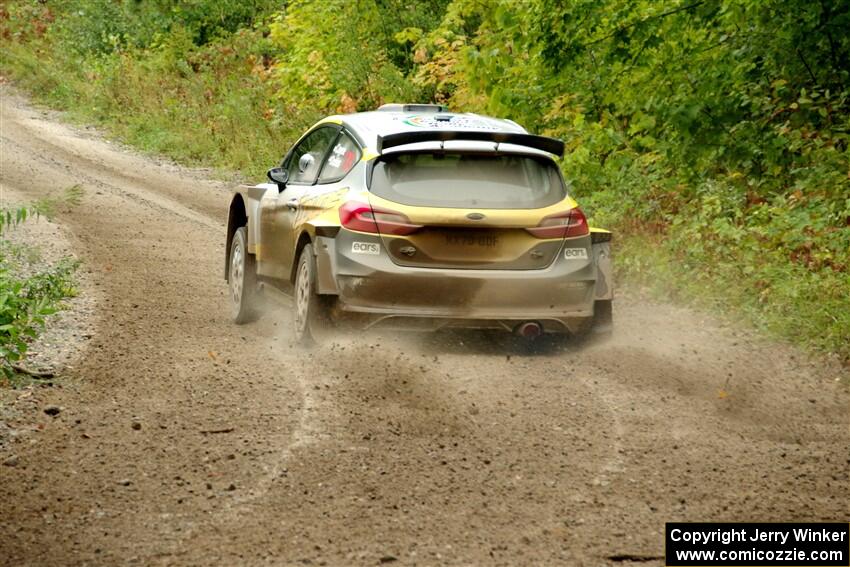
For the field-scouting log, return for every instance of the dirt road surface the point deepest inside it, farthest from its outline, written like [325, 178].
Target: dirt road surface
[184, 439]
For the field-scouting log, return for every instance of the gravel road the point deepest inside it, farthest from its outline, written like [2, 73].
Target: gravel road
[183, 439]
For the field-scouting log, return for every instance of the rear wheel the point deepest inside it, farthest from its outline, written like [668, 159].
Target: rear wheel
[603, 319]
[601, 325]
[311, 311]
[242, 278]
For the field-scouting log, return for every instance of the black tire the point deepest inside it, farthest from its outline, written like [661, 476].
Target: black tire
[242, 279]
[603, 319]
[599, 327]
[310, 315]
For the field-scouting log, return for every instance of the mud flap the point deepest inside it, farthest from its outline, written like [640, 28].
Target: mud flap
[604, 271]
[603, 317]
[326, 266]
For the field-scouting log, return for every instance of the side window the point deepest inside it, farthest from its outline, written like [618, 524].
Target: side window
[342, 158]
[305, 159]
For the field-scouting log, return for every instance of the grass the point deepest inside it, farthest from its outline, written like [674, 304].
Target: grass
[807, 308]
[219, 115]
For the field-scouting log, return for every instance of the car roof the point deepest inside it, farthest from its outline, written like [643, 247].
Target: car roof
[369, 125]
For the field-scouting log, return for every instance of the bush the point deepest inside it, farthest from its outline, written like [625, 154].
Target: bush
[98, 27]
[28, 294]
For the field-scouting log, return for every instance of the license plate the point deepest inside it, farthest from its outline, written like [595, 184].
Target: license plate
[481, 240]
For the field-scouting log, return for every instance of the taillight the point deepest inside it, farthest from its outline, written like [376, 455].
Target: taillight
[364, 218]
[562, 225]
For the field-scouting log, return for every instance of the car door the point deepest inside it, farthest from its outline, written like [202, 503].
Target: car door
[278, 215]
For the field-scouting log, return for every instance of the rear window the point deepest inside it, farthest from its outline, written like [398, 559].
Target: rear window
[468, 181]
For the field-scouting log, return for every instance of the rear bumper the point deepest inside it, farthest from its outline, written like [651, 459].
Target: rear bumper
[374, 291]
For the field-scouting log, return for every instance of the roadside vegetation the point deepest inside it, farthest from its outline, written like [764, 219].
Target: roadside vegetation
[713, 136]
[30, 289]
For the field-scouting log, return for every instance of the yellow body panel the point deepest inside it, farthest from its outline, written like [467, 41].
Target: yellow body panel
[502, 218]
[369, 154]
[328, 120]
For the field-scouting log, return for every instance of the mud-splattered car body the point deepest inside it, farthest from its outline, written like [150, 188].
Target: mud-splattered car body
[416, 217]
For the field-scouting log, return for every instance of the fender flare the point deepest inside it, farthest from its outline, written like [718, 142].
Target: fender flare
[243, 211]
[601, 251]
[322, 235]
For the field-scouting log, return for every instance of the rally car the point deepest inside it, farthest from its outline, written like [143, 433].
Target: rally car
[414, 217]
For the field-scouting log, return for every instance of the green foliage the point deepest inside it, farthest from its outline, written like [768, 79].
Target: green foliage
[712, 135]
[347, 56]
[29, 294]
[106, 26]
[25, 303]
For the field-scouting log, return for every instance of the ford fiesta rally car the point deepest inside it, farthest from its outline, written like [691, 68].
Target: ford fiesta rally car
[414, 217]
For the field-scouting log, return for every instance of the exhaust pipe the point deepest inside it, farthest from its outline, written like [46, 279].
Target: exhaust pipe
[529, 329]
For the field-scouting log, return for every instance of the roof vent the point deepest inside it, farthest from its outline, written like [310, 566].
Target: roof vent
[396, 107]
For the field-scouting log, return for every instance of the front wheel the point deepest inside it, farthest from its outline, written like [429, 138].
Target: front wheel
[242, 278]
[311, 311]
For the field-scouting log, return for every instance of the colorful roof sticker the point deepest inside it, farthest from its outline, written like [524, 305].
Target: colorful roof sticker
[453, 121]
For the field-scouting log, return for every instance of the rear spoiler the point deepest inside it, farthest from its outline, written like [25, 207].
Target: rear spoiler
[551, 145]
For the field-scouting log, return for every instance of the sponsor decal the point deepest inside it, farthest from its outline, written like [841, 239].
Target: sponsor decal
[311, 207]
[372, 248]
[335, 159]
[452, 121]
[575, 253]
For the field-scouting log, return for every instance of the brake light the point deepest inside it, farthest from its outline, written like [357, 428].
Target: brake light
[562, 225]
[364, 218]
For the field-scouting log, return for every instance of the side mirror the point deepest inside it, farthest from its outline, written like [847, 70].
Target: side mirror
[278, 175]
